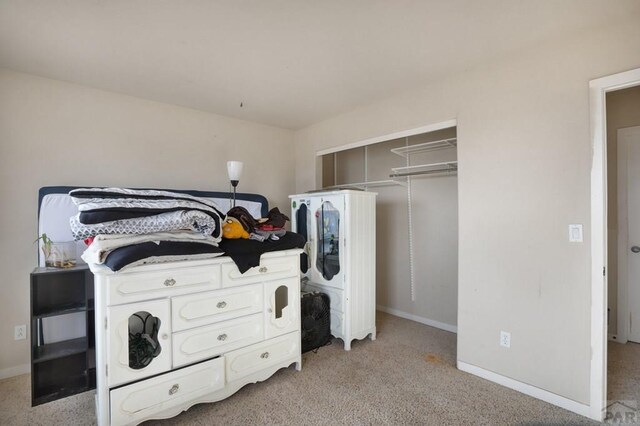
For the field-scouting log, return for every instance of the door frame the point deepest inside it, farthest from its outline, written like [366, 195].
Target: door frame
[624, 309]
[598, 89]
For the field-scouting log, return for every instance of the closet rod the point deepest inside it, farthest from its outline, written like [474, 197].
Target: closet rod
[375, 183]
[426, 172]
[423, 169]
[444, 165]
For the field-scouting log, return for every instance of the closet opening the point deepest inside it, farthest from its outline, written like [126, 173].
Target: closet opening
[414, 174]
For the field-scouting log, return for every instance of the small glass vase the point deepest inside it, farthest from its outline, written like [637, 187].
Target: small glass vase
[61, 255]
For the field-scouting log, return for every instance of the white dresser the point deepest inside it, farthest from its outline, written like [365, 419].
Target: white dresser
[341, 252]
[172, 335]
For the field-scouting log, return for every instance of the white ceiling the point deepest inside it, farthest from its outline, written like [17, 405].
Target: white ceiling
[290, 62]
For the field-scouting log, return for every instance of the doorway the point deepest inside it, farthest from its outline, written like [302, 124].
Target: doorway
[623, 258]
[600, 267]
[624, 209]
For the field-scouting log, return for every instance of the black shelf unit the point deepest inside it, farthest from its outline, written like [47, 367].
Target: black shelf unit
[64, 368]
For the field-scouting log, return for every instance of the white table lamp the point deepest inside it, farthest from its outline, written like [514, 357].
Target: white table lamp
[234, 170]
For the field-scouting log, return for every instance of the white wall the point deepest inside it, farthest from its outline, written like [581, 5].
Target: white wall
[55, 133]
[524, 154]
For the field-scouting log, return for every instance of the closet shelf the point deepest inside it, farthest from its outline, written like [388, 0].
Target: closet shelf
[405, 151]
[371, 184]
[424, 169]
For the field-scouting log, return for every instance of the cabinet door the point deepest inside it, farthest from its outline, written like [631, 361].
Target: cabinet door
[337, 324]
[327, 263]
[336, 296]
[139, 341]
[302, 224]
[283, 306]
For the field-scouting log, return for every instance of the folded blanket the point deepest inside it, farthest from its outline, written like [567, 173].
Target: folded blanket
[121, 210]
[92, 195]
[109, 215]
[181, 220]
[163, 251]
[103, 244]
[125, 202]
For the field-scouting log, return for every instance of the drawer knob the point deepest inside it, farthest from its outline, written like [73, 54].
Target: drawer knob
[175, 388]
[169, 282]
[222, 337]
[263, 269]
[265, 355]
[165, 336]
[221, 305]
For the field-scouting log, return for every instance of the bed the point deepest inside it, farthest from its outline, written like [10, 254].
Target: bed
[55, 207]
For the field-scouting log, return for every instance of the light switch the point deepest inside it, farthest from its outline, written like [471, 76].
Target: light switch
[575, 233]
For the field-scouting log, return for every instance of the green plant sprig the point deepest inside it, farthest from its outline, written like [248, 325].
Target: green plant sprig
[46, 244]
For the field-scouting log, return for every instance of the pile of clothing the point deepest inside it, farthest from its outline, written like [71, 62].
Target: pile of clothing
[125, 227]
[240, 224]
[246, 238]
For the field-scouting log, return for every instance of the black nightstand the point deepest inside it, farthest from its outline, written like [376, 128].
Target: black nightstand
[67, 367]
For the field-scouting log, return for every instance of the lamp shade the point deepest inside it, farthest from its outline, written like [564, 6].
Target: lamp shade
[234, 169]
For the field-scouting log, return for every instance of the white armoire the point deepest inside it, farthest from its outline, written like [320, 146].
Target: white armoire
[340, 256]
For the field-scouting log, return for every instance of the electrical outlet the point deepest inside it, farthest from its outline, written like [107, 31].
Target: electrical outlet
[20, 332]
[505, 339]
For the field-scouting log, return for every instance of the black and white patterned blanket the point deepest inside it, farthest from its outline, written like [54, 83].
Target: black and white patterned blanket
[128, 211]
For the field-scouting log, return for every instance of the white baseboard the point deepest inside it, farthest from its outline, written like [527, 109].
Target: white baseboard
[18, 370]
[421, 320]
[616, 338]
[546, 396]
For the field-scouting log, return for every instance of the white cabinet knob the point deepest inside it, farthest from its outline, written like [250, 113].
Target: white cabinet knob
[165, 336]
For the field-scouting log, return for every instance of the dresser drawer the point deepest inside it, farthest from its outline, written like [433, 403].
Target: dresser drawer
[246, 361]
[335, 295]
[205, 342]
[133, 403]
[135, 286]
[269, 269]
[198, 309]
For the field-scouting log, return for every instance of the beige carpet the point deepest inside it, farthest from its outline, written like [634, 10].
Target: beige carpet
[406, 377]
[623, 381]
